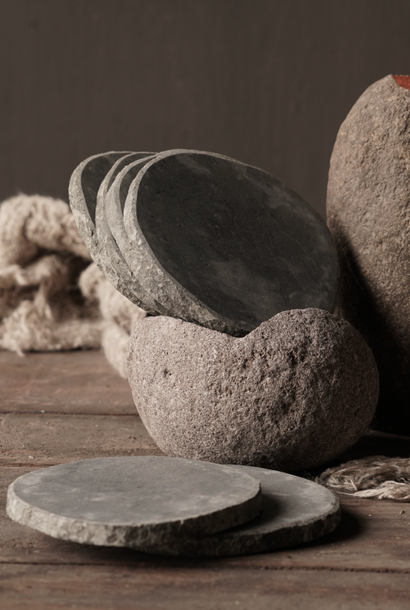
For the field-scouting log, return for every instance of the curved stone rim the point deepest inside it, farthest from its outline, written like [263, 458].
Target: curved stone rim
[110, 227]
[78, 201]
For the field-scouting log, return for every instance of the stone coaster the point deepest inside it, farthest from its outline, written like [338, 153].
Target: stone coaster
[224, 244]
[111, 260]
[294, 511]
[130, 501]
[83, 188]
[86, 182]
[368, 211]
[112, 233]
[292, 394]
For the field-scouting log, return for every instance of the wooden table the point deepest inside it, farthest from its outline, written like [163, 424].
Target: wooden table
[69, 406]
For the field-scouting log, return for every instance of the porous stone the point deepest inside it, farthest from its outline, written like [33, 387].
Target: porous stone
[132, 501]
[112, 262]
[294, 511]
[368, 208]
[292, 394]
[85, 184]
[224, 244]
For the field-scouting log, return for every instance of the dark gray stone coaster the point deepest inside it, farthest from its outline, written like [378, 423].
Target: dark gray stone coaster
[294, 511]
[291, 395]
[130, 501]
[224, 244]
[85, 183]
[368, 208]
[112, 262]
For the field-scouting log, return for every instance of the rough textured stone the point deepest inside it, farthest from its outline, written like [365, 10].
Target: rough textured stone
[292, 394]
[224, 244]
[294, 511]
[368, 208]
[85, 184]
[131, 501]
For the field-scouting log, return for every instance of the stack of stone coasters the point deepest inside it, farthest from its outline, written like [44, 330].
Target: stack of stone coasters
[241, 360]
[173, 506]
[202, 237]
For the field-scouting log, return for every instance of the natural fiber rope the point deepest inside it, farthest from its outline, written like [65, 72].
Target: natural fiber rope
[378, 477]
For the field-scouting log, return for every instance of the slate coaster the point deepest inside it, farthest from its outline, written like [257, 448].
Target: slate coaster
[83, 188]
[368, 211]
[113, 236]
[85, 184]
[224, 244]
[130, 501]
[294, 511]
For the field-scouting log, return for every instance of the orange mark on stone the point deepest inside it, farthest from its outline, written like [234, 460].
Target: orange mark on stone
[403, 80]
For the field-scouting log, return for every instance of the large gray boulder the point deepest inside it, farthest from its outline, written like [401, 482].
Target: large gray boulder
[291, 395]
[368, 207]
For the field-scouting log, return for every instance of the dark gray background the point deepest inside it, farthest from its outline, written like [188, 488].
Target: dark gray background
[265, 81]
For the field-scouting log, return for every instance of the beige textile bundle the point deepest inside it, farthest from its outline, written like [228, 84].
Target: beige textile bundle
[51, 297]
[378, 477]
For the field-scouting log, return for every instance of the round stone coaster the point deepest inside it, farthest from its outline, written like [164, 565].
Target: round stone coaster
[88, 185]
[133, 501]
[224, 244]
[294, 511]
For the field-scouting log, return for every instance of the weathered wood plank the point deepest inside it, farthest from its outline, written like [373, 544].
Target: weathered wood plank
[65, 382]
[48, 587]
[50, 439]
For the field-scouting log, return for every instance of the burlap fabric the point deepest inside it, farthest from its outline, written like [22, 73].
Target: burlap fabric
[51, 296]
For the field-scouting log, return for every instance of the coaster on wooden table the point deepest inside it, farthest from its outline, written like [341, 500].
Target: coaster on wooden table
[294, 511]
[132, 501]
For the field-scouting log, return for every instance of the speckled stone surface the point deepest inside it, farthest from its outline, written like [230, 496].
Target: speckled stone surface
[224, 244]
[368, 207]
[291, 395]
[294, 511]
[131, 501]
